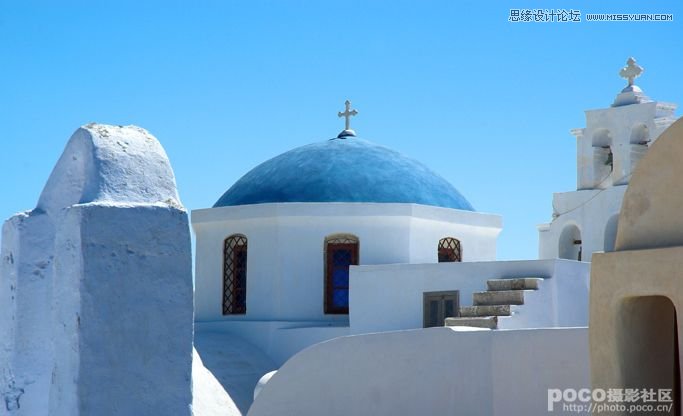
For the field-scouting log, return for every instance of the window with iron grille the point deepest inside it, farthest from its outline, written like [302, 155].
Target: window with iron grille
[341, 251]
[449, 250]
[235, 275]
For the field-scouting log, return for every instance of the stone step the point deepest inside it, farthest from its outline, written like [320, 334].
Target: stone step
[490, 322]
[498, 297]
[486, 310]
[522, 283]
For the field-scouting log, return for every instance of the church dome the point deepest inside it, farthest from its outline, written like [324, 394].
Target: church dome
[343, 170]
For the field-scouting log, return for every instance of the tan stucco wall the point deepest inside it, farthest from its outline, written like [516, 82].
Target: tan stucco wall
[631, 317]
[651, 212]
[636, 290]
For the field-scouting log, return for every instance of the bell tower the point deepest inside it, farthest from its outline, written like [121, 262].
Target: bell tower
[616, 138]
[608, 150]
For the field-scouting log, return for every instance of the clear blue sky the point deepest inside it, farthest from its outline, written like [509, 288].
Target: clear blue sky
[225, 85]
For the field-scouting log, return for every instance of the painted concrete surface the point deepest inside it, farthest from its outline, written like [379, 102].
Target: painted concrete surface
[27, 349]
[122, 284]
[209, 398]
[635, 296]
[592, 213]
[278, 340]
[110, 164]
[390, 297]
[623, 129]
[432, 371]
[285, 269]
[236, 364]
[93, 279]
[651, 212]
[27, 353]
[635, 291]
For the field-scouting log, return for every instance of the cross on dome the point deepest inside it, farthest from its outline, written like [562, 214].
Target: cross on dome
[631, 71]
[347, 114]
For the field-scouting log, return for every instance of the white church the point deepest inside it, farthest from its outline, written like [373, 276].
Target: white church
[340, 277]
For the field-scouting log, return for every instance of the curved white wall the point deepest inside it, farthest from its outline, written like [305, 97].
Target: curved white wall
[437, 371]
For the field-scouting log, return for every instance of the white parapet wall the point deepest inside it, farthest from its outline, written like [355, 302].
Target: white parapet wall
[390, 297]
[428, 372]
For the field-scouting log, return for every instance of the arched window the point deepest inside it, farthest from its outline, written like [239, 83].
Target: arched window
[449, 250]
[640, 135]
[235, 275]
[570, 244]
[341, 251]
[603, 156]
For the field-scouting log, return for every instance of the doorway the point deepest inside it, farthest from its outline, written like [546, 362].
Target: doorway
[649, 346]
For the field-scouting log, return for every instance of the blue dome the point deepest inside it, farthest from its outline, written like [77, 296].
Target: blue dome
[343, 170]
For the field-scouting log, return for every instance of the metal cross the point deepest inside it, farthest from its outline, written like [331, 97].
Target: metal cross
[631, 71]
[348, 113]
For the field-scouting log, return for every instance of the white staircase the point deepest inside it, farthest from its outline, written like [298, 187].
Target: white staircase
[500, 300]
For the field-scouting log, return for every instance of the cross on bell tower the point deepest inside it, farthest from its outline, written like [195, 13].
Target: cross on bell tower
[631, 71]
[347, 114]
[631, 94]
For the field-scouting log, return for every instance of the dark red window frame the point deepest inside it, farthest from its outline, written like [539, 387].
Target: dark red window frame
[450, 250]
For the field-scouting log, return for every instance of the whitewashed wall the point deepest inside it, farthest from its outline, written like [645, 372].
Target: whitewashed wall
[27, 349]
[431, 371]
[562, 300]
[390, 297]
[285, 276]
[620, 128]
[279, 341]
[93, 278]
[590, 211]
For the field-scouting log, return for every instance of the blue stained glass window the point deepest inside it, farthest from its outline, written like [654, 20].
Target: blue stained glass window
[340, 298]
[342, 258]
[341, 252]
[340, 277]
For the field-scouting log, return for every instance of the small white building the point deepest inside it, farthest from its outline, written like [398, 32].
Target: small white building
[607, 152]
